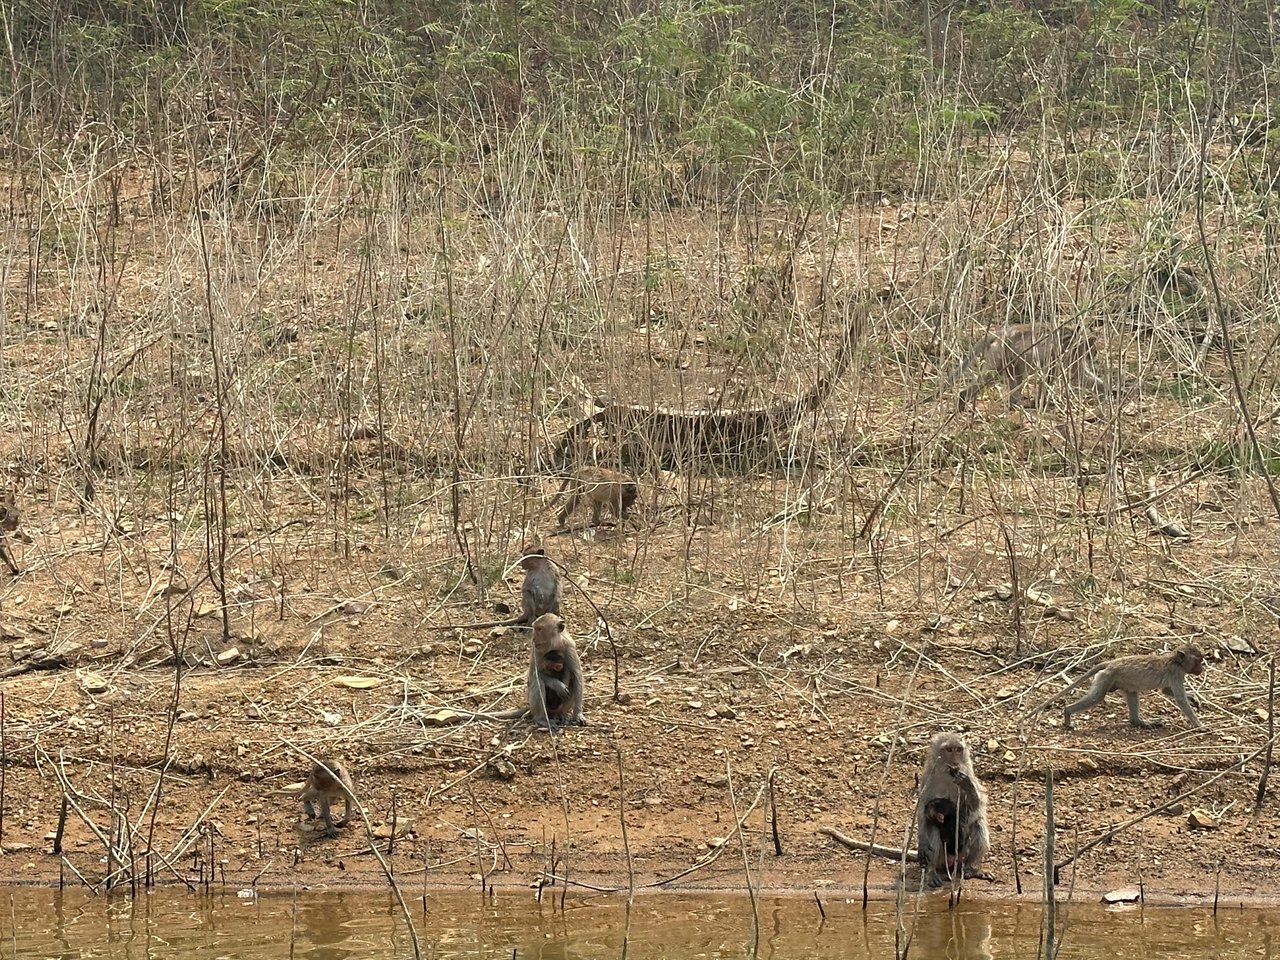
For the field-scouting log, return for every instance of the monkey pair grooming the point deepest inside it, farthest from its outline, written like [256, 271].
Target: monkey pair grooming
[1020, 351]
[951, 817]
[599, 487]
[539, 594]
[1166, 672]
[324, 786]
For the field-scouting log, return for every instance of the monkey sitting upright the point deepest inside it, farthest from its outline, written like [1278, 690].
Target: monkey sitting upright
[952, 823]
[324, 787]
[555, 684]
[1166, 672]
[540, 593]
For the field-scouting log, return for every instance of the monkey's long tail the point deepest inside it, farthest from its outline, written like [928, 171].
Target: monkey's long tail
[514, 622]
[889, 853]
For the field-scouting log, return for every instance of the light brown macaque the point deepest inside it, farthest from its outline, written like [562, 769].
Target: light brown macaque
[1166, 672]
[540, 593]
[951, 801]
[8, 524]
[600, 487]
[324, 787]
[1019, 352]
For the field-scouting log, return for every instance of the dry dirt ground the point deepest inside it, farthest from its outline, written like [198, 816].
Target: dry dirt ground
[811, 621]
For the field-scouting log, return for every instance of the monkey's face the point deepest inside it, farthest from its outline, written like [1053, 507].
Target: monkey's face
[1191, 660]
[953, 751]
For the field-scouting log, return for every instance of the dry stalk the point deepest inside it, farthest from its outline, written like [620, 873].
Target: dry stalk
[746, 864]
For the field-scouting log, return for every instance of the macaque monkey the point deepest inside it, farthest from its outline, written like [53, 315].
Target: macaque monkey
[601, 488]
[1166, 672]
[554, 683]
[325, 787]
[8, 524]
[555, 675]
[540, 593]
[1018, 352]
[952, 823]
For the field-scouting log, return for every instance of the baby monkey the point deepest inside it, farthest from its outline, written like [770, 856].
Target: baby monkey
[601, 488]
[942, 813]
[325, 787]
[540, 593]
[1166, 672]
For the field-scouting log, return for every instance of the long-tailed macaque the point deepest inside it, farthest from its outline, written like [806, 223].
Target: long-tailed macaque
[555, 675]
[540, 593]
[8, 524]
[554, 684]
[325, 786]
[1018, 352]
[1166, 672]
[951, 800]
[601, 488]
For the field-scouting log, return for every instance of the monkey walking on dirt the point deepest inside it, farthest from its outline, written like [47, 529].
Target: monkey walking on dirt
[1166, 672]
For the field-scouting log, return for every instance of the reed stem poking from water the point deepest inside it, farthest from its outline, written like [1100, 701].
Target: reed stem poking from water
[626, 840]
[1050, 891]
[884, 777]
[773, 814]
[1257, 800]
[746, 864]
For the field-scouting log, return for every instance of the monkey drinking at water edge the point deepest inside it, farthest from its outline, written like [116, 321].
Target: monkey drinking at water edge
[325, 786]
[1166, 672]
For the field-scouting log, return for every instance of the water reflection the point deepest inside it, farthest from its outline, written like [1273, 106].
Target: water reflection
[337, 925]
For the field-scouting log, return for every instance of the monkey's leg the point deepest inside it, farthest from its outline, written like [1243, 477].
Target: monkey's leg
[329, 829]
[346, 810]
[1178, 694]
[309, 809]
[569, 506]
[595, 513]
[8, 558]
[1134, 719]
[1094, 697]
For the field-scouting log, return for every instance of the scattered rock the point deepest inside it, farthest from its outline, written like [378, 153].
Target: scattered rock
[1201, 819]
[1122, 895]
[94, 683]
[355, 608]
[228, 656]
[359, 683]
[500, 768]
[441, 718]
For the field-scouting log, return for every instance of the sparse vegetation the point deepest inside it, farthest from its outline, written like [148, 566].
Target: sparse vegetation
[298, 296]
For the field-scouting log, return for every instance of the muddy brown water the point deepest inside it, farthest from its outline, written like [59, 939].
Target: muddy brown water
[333, 925]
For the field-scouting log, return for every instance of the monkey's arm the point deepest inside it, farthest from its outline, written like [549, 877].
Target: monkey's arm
[889, 853]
